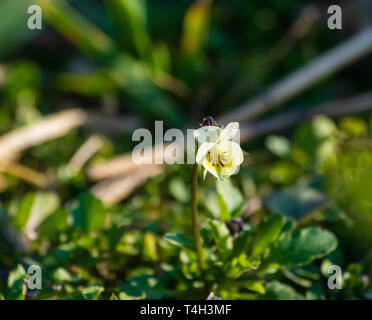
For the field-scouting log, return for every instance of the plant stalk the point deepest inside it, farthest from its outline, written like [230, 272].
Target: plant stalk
[194, 209]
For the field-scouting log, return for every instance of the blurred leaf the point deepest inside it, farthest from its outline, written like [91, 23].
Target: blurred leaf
[136, 79]
[353, 127]
[23, 211]
[221, 236]
[266, 233]
[149, 286]
[89, 84]
[17, 22]
[255, 285]
[180, 240]
[61, 275]
[301, 247]
[279, 146]
[87, 213]
[113, 297]
[315, 292]
[124, 296]
[296, 201]
[149, 247]
[195, 29]
[161, 57]
[16, 283]
[241, 243]
[230, 199]
[56, 222]
[92, 292]
[309, 136]
[179, 190]
[130, 21]
[280, 291]
[45, 203]
[87, 37]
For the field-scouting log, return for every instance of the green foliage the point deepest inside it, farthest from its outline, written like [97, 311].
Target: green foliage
[230, 199]
[16, 285]
[296, 201]
[266, 233]
[87, 213]
[300, 247]
[279, 291]
[23, 211]
[300, 203]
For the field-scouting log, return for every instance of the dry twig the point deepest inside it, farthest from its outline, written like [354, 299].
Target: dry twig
[113, 190]
[355, 104]
[85, 152]
[48, 128]
[295, 83]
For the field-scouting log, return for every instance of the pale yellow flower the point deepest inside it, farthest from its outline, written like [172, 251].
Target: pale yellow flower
[218, 154]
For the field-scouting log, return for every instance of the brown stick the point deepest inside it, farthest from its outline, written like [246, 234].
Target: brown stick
[323, 66]
[85, 152]
[57, 125]
[22, 172]
[355, 104]
[113, 190]
[48, 128]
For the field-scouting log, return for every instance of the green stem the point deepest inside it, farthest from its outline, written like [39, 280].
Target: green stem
[194, 209]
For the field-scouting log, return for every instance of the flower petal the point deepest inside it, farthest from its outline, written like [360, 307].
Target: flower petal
[230, 131]
[207, 134]
[226, 172]
[233, 149]
[205, 173]
[202, 151]
[211, 169]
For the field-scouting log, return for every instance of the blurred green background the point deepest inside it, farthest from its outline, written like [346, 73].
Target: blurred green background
[104, 229]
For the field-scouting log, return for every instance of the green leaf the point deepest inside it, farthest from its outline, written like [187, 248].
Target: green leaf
[221, 236]
[23, 211]
[56, 222]
[15, 278]
[241, 243]
[125, 296]
[92, 292]
[45, 203]
[266, 233]
[16, 283]
[353, 127]
[180, 240]
[75, 27]
[113, 297]
[279, 291]
[230, 199]
[301, 247]
[296, 201]
[179, 190]
[130, 20]
[149, 247]
[255, 285]
[138, 287]
[87, 213]
[16, 22]
[195, 29]
[61, 275]
[279, 146]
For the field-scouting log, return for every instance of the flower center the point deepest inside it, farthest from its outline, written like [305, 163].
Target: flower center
[219, 159]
